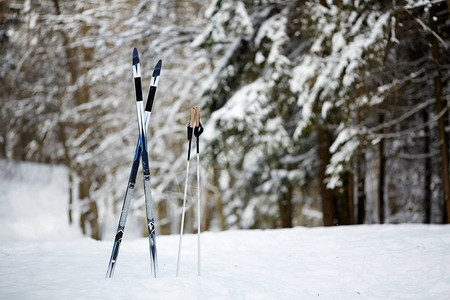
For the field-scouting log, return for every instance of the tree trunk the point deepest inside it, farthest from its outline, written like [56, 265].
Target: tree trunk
[206, 211]
[80, 96]
[219, 204]
[428, 171]
[285, 204]
[441, 105]
[361, 186]
[381, 175]
[68, 163]
[89, 214]
[164, 228]
[346, 207]
[324, 140]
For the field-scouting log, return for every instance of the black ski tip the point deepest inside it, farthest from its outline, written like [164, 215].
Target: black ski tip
[135, 57]
[157, 70]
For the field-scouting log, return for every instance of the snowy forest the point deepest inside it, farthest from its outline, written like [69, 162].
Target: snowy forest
[316, 112]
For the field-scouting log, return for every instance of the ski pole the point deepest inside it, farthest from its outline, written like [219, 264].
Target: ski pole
[190, 128]
[197, 132]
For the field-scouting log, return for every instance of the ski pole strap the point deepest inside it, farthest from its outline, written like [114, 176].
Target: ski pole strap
[198, 130]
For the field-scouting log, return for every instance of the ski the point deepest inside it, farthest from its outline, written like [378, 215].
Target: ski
[144, 155]
[134, 169]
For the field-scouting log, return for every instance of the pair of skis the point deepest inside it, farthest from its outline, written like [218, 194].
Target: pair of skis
[196, 131]
[143, 117]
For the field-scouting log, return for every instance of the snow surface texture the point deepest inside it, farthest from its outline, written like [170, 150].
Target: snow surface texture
[352, 262]
[33, 203]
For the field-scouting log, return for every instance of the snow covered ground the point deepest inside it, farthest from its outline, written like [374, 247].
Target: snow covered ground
[351, 262]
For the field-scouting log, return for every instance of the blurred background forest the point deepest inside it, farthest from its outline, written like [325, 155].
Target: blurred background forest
[316, 112]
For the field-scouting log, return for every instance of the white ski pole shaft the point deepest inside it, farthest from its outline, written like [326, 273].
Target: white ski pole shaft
[182, 218]
[198, 211]
[197, 134]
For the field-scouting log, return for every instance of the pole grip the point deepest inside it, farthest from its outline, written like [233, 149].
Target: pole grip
[198, 126]
[192, 120]
[197, 116]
